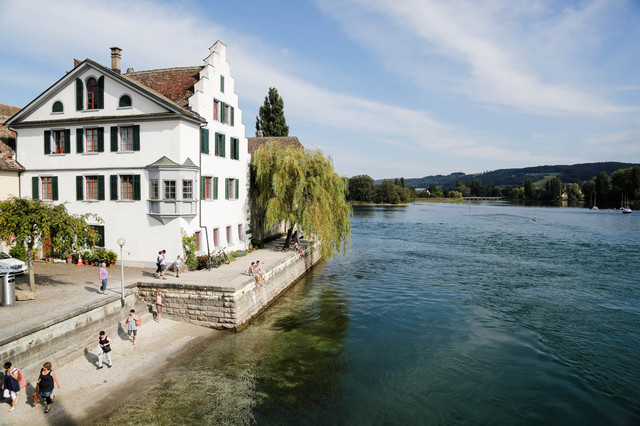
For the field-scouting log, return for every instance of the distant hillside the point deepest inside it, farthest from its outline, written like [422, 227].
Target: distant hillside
[577, 173]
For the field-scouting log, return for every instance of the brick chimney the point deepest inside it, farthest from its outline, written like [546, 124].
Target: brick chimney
[115, 59]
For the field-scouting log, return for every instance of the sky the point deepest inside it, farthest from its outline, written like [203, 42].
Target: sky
[387, 88]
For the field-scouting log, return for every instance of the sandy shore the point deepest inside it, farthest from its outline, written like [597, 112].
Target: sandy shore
[87, 393]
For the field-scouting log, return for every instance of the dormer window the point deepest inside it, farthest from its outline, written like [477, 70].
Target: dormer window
[57, 107]
[92, 93]
[124, 102]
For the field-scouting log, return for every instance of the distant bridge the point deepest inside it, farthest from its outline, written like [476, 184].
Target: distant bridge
[484, 198]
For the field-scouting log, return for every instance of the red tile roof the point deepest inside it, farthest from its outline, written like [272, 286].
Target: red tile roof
[7, 140]
[174, 83]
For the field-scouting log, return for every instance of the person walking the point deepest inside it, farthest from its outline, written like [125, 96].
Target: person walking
[163, 263]
[11, 384]
[159, 304]
[132, 322]
[158, 264]
[102, 276]
[104, 347]
[45, 384]
[177, 266]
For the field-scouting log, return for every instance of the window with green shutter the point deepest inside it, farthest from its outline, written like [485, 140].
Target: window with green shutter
[79, 187]
[100, 187]
[222, 83]
[136, 138]
[114, 138]
[35, 187]
[113, 187]
[54, 189]
[67, 141]
[236, 185]
[100, 139]
[79, 94]
[79, 141]
[136, 187]
[232, 115]
[215, 188]
[100, 94]
[204, 140]
[226, 188]
[57, 107]
[47, 141]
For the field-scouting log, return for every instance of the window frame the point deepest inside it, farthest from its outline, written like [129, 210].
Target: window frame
[216, 235]
[57, 145]
[94, 131]
[95, 181]
[126, 182]
[168, 184]
[92, 93]
[187, 184]
[47, 184]
[154, 189]
[229, 235]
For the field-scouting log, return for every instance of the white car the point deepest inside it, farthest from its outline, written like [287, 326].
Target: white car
[11, 265]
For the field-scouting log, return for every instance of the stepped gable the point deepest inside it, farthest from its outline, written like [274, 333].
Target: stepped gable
[174, 83]
[8, 140]
[257, 142]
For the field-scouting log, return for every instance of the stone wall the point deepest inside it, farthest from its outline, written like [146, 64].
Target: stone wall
[61, 339]
[232, 306]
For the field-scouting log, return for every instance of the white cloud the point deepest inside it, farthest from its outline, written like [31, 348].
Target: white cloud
[486, 47]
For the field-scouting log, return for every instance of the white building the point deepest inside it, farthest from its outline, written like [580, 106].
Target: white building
[156, 154]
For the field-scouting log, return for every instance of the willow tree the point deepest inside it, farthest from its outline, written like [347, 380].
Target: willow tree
[27, 222]
[299, 187]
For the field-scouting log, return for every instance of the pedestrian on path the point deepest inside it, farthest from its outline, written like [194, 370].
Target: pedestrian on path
[132, 322]
[102, 276]
[104, 347]
[11, 384]
[158, 264]
[177, 266]
[163, 263]
[159, 305]
[45, 384]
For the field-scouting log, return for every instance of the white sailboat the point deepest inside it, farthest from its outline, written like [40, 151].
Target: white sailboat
[624, 208]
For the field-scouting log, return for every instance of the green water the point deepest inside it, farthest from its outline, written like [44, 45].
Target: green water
[440, 314]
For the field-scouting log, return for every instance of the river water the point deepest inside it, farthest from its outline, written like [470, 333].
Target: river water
[439, 314]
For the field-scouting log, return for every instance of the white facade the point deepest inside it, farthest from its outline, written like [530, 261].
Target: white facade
[145, 169]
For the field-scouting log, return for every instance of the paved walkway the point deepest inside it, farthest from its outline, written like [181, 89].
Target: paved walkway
[65, 289]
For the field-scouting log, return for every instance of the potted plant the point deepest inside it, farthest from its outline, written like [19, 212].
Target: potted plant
[86, 257]
[110, 257]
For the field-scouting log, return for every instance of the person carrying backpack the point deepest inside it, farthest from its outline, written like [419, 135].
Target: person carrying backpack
[11, 384]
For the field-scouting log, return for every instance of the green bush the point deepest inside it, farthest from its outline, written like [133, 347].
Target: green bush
[202, 262]
[189, 247]
[19, 252]
[256, 243]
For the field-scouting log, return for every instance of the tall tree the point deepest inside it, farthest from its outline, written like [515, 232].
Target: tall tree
[270, 117]
[28, 222]
[300, 186]
[361, 188]
[602, 185]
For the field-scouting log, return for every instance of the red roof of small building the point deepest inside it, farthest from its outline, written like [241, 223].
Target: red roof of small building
[173, 83]
[8, 140]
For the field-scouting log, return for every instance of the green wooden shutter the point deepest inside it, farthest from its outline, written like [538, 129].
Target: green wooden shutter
[223, 146]
[136, 187]
[222, 83]
[79, 188]
[223, 112]
[215, 188]
[113, 186]
[136, 138]
[204, 140]
[215, 142]
[67, 141]
[226, 188]
[237, 182]
[100, 187]
[232, 115]
[203, 187]
[100, 139]
[47, 142]
[79, 94]
[114, 138]
[100, 94]
[237, 149]
[35, 187]
[54, 189]
[79, 141]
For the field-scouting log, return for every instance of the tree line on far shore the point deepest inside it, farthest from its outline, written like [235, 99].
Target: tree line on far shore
[605, 190]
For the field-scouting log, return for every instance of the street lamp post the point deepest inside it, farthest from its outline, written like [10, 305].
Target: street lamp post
[121, 242]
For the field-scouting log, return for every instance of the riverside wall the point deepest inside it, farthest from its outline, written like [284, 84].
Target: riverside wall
[62, 339]
[233, 305]
[229, 307]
